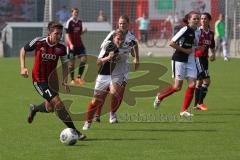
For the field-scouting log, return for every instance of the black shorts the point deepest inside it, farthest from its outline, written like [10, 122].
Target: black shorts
[44, 90]
[202, 67]
[77, 51]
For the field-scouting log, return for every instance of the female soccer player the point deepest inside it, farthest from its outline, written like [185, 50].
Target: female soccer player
[206, 41]
[122, 69]
[107, 60]
[47, 52]
[183, 63]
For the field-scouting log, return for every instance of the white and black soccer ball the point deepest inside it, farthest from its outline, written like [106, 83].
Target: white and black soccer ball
[69, 136]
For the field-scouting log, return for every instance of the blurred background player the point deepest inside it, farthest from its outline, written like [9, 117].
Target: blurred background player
[221, 41]
[74, 31]
[63, 14]
[47, 52]
[206, 41]
[107, 60]
[183, 63]
[121, 71]
[101, 16]
[143, 27]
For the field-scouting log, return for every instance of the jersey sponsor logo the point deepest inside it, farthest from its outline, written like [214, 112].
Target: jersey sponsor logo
[76, 29]
[47, 57]
[42, 49]
[207, 42]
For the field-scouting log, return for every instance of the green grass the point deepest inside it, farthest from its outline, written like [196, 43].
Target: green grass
[212, 135]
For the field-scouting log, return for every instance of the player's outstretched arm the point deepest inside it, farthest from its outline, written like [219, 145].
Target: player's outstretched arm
[23, 69]
[135, 54]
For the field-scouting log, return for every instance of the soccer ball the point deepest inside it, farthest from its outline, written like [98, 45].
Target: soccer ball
[69, 136]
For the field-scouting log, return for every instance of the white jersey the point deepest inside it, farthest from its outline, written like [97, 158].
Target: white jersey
[122, 67]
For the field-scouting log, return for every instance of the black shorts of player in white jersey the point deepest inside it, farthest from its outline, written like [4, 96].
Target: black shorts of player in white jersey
[202, 67]
[44, 90]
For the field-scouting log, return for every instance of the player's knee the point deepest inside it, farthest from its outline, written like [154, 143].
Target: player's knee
[49, 107]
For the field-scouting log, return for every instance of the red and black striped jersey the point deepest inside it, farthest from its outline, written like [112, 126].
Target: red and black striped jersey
[74, 29]
[46, 57]
[206, 40]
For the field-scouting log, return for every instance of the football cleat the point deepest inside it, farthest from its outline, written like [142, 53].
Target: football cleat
[156, 103]
[81, 136]
[113, 118]
[79, 81]
[86, 126]
[226, 59]
[97, 119]
[31, 114]
[72, 82]
[186, 114]
[202, 107]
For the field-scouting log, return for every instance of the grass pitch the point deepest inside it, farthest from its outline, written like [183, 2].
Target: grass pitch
[143, 133]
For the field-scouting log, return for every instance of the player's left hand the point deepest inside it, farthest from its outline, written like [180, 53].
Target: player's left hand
[84, 30]
[66, 87]
[212, 58]
[136, 64]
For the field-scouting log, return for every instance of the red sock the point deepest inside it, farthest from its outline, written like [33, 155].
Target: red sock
[188, 98]
[91, 111]
[166, 92]
[98, 110]
[117, 100]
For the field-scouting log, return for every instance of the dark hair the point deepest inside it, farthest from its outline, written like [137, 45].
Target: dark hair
[188, 16]
[54, 25]
[208, 15]
[124, 17]
[74, 9]
[50, 25]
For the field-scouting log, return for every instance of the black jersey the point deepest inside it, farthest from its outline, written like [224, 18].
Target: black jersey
[184, 38]
[107, 67]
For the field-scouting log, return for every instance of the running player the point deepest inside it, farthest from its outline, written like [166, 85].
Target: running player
[47, 52]
[206, 41]
[107, 60]
[121, 70]
[183, 63]
[75, 47]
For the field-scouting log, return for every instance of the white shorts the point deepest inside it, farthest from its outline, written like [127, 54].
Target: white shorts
[102, 84]
[120, 79]
[181, 70]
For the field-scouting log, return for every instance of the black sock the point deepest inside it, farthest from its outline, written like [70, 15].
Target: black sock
[41, 108]
[71, 70]
[197, 92]
[81, 69]
[203, 93]
[64, 116]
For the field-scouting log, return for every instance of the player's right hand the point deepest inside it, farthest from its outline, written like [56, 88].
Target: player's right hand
[111, 55]
[71, 46]
[24, 72]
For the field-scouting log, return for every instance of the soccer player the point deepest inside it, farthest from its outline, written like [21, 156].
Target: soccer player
[121, 70]
[183, 63]
[206, 41]
[75, 47]
[47, 52]
[107, 60]
[220, 37]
